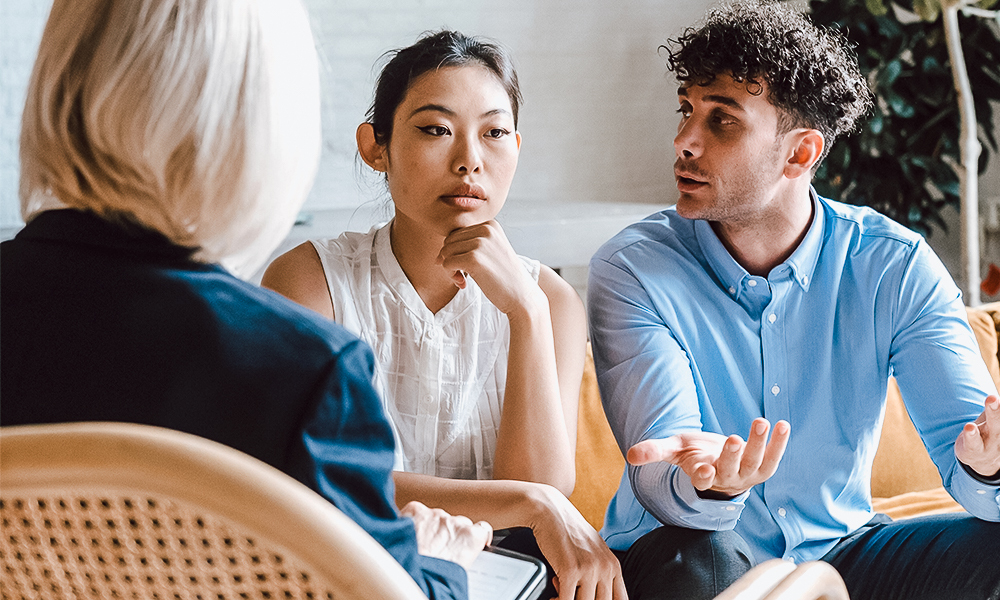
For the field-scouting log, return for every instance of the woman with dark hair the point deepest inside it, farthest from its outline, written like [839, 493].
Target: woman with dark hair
[479, 351]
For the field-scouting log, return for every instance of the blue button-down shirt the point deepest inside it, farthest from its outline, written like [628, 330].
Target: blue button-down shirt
[686, 339]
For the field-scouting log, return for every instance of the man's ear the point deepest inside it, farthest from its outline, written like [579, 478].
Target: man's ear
[807, 148]
[373, 153]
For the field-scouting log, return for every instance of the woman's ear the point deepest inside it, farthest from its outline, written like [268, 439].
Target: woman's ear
[517, 136]
[370, 150]
[807, 148]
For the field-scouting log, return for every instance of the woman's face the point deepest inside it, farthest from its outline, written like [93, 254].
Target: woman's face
[453, 150]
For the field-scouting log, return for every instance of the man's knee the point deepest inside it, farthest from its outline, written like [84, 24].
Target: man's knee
[684, 563]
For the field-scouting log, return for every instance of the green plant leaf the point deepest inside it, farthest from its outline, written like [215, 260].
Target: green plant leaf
[928, 10]
[876, 7]
[900, 160]
[900, 106]
[891, 72]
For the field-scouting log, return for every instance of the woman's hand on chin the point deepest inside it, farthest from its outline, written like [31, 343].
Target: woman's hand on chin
[484, 252]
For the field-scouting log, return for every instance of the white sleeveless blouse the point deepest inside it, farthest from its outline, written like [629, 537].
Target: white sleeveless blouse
[441, 376]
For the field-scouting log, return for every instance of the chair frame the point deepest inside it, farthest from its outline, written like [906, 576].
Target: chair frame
[216, 479]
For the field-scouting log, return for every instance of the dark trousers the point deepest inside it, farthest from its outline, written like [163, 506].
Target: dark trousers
[942, 557]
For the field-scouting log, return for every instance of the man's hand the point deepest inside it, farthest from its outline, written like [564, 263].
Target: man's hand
[714, 462]
[978, 446]
[441, 535]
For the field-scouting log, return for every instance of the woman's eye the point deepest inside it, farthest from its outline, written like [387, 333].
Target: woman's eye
[497, 132]
[435, 130]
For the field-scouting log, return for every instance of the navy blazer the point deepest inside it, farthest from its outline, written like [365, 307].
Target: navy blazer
[110, 322]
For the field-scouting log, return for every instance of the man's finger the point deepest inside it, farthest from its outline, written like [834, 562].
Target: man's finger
[702, 476]
[728, 465]
[992, 414]
[775, 448]
[973, 439]
[753, 454]
[650, 451]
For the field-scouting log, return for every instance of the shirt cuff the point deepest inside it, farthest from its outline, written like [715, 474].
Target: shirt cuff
[995, 480]
[666, 491]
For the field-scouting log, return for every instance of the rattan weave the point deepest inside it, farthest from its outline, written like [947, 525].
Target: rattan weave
[102, 545]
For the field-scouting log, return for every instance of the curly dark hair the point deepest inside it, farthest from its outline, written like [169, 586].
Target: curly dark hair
[811, 72]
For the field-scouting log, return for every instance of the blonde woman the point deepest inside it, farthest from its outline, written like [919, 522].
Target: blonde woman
[160, 141]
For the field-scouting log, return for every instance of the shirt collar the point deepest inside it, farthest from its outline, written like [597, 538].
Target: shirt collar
[801, 263]
[69, 225]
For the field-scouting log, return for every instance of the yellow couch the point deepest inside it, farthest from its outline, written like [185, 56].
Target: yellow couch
[905, 483]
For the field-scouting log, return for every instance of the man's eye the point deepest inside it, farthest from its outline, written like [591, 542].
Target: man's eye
[497, 133]
[435, 130]
[684, 112]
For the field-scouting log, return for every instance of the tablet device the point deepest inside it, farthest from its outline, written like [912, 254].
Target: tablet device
[500, 574]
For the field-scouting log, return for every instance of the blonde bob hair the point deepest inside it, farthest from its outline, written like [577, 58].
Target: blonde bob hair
[195, 118]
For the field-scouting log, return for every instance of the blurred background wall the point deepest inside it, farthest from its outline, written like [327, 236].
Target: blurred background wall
[598, 119]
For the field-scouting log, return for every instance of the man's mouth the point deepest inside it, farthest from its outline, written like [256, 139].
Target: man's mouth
[686, 183]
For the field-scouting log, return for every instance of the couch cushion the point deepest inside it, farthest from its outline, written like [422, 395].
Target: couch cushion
[599, 463]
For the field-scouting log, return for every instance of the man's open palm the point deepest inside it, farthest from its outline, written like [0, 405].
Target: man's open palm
[727, 465]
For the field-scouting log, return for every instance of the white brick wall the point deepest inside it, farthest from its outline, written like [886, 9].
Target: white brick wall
[597, 122]
[598, 115]
[21, 24]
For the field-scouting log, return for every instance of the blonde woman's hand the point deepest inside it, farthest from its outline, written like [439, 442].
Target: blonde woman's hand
[585, 567]
[441, 535]
[484, 252]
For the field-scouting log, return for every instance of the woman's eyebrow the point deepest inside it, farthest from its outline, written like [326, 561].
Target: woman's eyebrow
[445, 110]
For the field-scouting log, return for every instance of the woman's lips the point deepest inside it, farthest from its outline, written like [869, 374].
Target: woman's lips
[466, 196]
[463, 202]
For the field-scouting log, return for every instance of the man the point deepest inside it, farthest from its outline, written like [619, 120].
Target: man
[754, 301]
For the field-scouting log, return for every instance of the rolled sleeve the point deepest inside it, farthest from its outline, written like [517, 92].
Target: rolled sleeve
[648, 392]
[667, 492]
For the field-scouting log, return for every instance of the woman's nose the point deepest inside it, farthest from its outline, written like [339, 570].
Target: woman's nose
[468, 157]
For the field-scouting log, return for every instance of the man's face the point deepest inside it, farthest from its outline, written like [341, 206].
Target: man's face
[729, 156]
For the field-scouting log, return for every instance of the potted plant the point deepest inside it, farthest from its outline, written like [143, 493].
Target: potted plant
[903, 160]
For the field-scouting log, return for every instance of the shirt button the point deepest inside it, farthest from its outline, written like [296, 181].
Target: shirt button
[432, 334]
[805, 280]
[782, 512]
[980, 491]
[771, 318]
[732, 290]
[775, 389]
[730, 508]
[752, 283]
